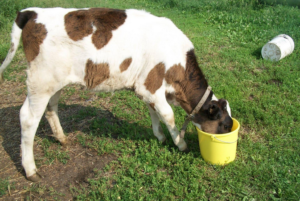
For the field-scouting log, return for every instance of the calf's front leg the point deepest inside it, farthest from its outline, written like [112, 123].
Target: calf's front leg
[30, 116]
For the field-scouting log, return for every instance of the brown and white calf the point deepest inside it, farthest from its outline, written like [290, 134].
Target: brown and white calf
[106, 50]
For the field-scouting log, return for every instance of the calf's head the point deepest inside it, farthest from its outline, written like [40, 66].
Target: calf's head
[214, 117]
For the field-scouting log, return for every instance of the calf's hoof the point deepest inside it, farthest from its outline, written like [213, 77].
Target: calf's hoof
[182, 146]
[35, 177]
[163, 141]
[187, 150]
[64, 143]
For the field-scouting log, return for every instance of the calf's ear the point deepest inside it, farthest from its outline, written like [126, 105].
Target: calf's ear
[223, 103]
[213, 111]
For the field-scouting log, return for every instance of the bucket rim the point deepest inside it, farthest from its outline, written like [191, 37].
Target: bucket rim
[221, 135]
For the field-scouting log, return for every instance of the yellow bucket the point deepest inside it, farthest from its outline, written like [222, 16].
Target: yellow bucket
[219, 149]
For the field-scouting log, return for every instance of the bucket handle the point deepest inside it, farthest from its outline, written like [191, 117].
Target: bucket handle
[222, 140]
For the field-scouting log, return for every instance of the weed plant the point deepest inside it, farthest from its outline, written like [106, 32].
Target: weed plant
[3, 186]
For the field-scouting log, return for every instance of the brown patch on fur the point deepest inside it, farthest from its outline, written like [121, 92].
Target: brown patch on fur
[170, 96]
[176, 77]
[175, 74]
[125, 64]
[152, 106]
[95, 74]
[33, 34]
[106, 20]
[210, 127]
[155, 78]
[79, 24]
[24, 17]
[189, 84]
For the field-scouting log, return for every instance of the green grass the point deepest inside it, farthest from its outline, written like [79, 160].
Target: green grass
[41, 190]
[54, 154]
[5, 187]
[264, 96]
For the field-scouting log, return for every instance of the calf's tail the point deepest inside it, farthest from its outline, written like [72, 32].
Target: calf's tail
[15, 39]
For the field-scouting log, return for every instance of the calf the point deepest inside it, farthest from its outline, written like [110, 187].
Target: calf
[106, 50]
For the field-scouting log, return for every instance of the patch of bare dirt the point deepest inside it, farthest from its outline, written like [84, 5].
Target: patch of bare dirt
[57, 177]
[247, 133]
[83, 164]
[251, 97]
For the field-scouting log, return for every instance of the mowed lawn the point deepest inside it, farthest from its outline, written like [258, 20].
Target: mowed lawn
[264, 97]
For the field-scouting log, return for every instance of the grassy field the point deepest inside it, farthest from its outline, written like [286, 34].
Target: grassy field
[116, 128]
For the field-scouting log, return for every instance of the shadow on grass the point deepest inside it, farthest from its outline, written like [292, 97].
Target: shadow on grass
[257, 53]
[89, 120]
[11, 136]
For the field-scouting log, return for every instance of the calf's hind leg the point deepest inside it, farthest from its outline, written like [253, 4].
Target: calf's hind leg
[52, 117]
[156, 127]
[30, 116]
